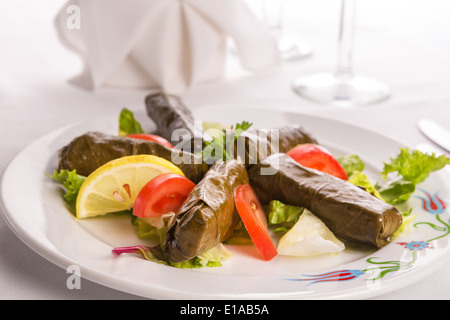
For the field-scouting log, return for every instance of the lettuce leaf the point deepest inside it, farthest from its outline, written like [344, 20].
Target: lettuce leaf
[351, 163]
[396, 191]
[211, 258]
[71, 183]
[414, 166]
[206, 126]
[222, 145]
[361, 180]
[282, 216]
[128, 124]
[214, 257]
[410, 168]
[145, 230]
[405, 227]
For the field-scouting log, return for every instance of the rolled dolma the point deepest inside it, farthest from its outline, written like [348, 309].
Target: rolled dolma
[256, 144]
[350, 212]
[91, 150]
[174, 121]
[293, 135]
[208, 216]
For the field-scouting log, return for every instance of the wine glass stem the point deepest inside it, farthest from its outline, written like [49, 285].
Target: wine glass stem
[344, 67]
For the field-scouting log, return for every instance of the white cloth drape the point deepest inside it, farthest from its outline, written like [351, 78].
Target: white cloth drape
[171, 44]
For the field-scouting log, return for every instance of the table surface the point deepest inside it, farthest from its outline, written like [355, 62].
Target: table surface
[405, 43]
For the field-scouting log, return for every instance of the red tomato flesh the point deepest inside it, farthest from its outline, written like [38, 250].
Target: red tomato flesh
[255, 221]
[151, 137]
[163, 194]
[319, 158]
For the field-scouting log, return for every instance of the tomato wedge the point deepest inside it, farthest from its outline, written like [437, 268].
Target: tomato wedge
[255, 221]
[163, 194]
[151, 137]
[319, 158]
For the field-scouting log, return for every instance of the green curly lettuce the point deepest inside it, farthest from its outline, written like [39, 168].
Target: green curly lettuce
[410, 168]
[351, 163]
[128, 123]
[414, 166]
[71, 183]
[282, 217]
[222, 145]
[361, 180]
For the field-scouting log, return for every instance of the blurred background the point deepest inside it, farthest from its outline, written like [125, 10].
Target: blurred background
[405, 38]
[403, 43]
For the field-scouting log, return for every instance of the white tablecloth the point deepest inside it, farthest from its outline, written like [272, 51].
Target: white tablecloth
[405, 43]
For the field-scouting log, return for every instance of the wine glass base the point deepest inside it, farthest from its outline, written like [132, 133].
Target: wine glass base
[292, 49]
[354, 91]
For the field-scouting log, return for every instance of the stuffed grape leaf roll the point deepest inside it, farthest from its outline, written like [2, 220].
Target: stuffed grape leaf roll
[256, 144]
[208, 216]
[174, 121]
[350, 212]
[91, 150]
[293, 135]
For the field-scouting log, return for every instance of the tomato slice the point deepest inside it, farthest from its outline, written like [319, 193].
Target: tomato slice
[163, 194]
[151, 137]
[319, 158]
[255, 221]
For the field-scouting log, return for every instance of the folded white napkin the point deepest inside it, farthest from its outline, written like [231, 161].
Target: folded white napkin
[171, 44]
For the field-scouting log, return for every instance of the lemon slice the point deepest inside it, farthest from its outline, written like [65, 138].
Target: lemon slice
[309, 237]
[114, 186]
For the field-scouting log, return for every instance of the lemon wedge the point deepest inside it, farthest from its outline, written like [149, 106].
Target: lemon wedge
[309, 237]
[114, 186]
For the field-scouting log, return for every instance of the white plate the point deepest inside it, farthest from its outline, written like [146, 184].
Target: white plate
[44, 224]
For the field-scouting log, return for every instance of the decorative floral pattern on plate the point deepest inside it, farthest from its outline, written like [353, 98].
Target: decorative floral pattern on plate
[432, 204]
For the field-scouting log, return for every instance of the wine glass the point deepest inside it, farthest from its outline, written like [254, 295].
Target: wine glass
[343, 88]
[290, 48]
